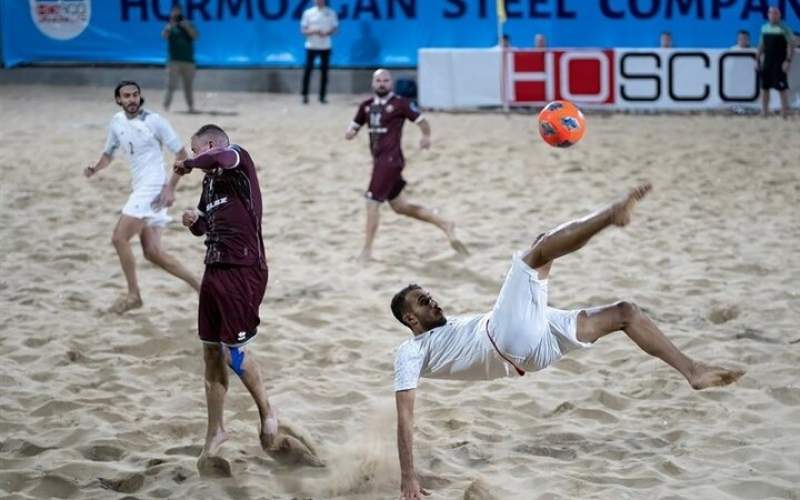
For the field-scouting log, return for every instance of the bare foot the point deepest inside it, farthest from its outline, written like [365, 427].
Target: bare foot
[365, 257]
[705, 376]
[621, 210]
[213, 444]
[125, 303]
[458, 246]
[291, 451]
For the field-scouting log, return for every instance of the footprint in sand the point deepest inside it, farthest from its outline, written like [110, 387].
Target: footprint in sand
[720, 315]
[129, 484]
[478, 490]
[214, 467]
[102, 453]
[191, 450]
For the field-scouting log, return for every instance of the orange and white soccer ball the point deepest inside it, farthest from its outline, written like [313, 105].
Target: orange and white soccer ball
[561, 124]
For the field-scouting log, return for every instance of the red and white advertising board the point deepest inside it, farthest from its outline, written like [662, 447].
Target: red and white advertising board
[659, 79]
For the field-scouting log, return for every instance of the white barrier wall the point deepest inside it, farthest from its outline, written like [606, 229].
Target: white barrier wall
[661, 79]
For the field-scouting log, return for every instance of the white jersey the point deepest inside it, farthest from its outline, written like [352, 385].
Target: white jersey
[459, 350]
[324, 19]
[141, 139]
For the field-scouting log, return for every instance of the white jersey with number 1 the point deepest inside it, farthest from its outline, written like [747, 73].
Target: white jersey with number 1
[141, 140]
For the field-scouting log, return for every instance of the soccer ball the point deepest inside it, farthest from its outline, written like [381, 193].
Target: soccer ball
[561, 124]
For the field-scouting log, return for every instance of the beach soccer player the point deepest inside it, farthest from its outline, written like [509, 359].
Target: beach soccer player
[522, 333]
[139, 134]
[385, 114]
[234, 282]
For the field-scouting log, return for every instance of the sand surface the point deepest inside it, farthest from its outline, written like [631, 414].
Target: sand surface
[102, 406]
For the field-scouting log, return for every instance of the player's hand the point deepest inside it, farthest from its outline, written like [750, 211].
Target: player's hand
[190, 216]
[425, 142]
[350, 133]
[89, 171]
[411, 490]
[179, 168]
[164, 199]
[785, 66]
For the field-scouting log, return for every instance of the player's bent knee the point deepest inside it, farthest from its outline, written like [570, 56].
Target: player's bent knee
[152, 254]
[400, 208]
[236, 360]
[628, 311]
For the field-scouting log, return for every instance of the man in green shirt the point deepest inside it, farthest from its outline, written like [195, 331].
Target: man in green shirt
[180, 36]
[775, 51]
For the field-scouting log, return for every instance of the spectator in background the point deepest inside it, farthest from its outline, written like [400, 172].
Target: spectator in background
[540, 41]
[180, 36]
[504, 42]
[318, 24]
[742, 40]
[774, 60]
[666, 40]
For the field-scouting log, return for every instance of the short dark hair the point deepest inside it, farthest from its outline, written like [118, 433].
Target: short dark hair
[744, 32]
[399, 301]
[211, 129]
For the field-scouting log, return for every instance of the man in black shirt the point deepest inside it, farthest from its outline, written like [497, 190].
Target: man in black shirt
[775, 51]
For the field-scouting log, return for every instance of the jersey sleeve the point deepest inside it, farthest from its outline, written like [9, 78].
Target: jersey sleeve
[304, 20]
[166, 134]
[411, 111]
[361, 116]
[112, 142]
[407, 367]
[334, 19]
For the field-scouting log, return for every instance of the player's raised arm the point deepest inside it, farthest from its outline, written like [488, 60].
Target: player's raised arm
[225, 158]
[409, 485]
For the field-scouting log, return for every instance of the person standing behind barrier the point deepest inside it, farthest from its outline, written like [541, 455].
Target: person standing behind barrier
[539, 41]
[774, 60]
[318, 24]
[742, 40]
[180, 36]
[665, 41]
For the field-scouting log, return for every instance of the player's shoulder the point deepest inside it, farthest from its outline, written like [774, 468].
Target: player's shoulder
[118, 118]
[152, 116]
[366, 102]
[410, 348]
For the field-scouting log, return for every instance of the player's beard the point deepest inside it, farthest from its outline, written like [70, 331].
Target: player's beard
[382, 92]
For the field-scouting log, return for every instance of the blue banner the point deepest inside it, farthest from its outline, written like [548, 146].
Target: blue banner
[253, 33]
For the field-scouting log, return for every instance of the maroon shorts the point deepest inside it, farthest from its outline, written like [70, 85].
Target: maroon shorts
[386, 183]
[229, 300]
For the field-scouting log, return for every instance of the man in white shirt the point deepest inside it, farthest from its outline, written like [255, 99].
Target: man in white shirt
[140, 135]
[318, 24]
[521, 333]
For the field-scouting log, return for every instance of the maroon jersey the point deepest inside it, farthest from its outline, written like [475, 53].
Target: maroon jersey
[385, 118]
[231, 214]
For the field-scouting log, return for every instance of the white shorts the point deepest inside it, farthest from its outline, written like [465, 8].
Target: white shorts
[524, 329]
[139, 207]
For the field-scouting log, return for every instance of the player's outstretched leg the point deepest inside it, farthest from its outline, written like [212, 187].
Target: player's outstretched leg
[154, 252]
[625, 316]
[281, 446]
[572, 235]
[403, 207]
